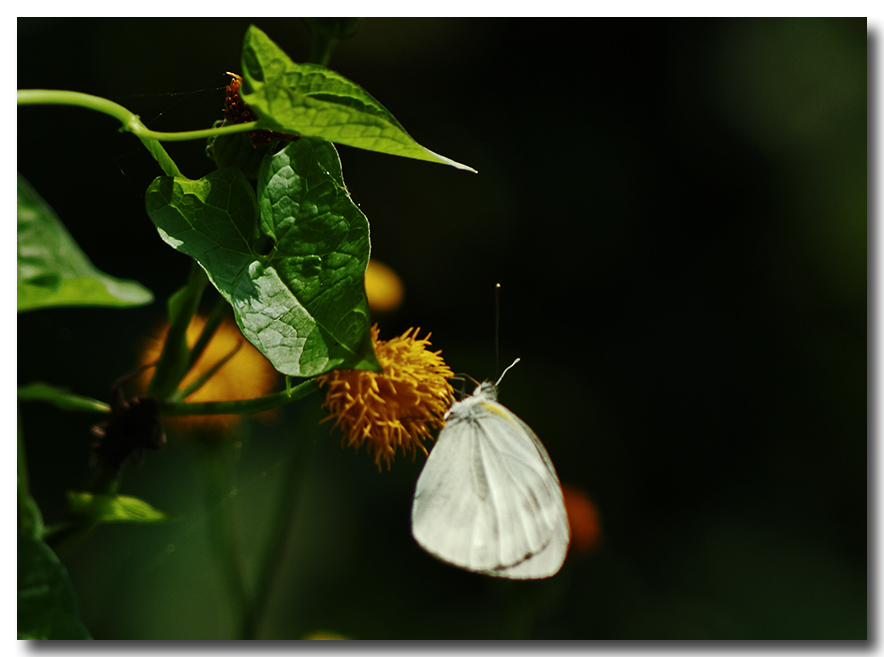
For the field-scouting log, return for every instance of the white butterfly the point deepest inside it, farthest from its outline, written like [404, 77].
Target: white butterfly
[488, 498]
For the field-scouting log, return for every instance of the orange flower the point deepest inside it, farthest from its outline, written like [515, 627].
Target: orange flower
[583, 517]
[382, 287]
[393, 409]
[247, 374]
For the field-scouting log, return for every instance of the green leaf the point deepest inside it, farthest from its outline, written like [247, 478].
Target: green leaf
[53, 271]
[313, 101]
[47, 608]
[115, 508]
[294, 270]
[61, 398]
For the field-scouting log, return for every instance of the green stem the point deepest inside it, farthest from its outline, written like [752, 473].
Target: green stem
[131, 121]
[241, 406]
[60, 398]
[30, 518]
[284, 517]
[174, 360]
[200, 382]
[219, 312]
[237, 407]
[323, 46]
[222, 527]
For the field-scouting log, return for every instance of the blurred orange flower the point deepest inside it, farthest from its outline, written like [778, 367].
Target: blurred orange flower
[382, 287]
[246, 375]
[393, 409]
[325, 635]
[583, 515]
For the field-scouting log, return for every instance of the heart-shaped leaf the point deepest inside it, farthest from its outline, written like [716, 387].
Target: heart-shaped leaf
[313, 101]
[295, 274]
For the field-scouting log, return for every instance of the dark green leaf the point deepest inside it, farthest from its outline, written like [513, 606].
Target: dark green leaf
[53, 271]
[313, 101]
[47, 608]
[237, 151]
[301, 301]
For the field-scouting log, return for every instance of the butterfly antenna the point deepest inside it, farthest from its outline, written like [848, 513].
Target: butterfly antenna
[497, 336]
[496, 328]
[507, 370]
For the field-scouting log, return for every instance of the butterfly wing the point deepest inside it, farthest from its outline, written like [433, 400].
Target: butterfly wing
[488, 498]
[550, 558]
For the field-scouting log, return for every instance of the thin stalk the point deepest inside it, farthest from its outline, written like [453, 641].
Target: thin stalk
[196, 385]
[284, 517]
[30, 518]
[174, 361]
[130, 121]
[241, 406]
[219, 312]
[61, 398]
[323, 46]
[222, 527]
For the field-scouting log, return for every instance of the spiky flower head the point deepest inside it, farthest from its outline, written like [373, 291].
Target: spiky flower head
[394, 409]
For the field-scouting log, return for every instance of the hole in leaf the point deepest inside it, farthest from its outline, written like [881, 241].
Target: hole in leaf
[264, 245]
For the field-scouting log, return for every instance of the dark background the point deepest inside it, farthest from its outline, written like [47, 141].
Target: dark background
[676, 210]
